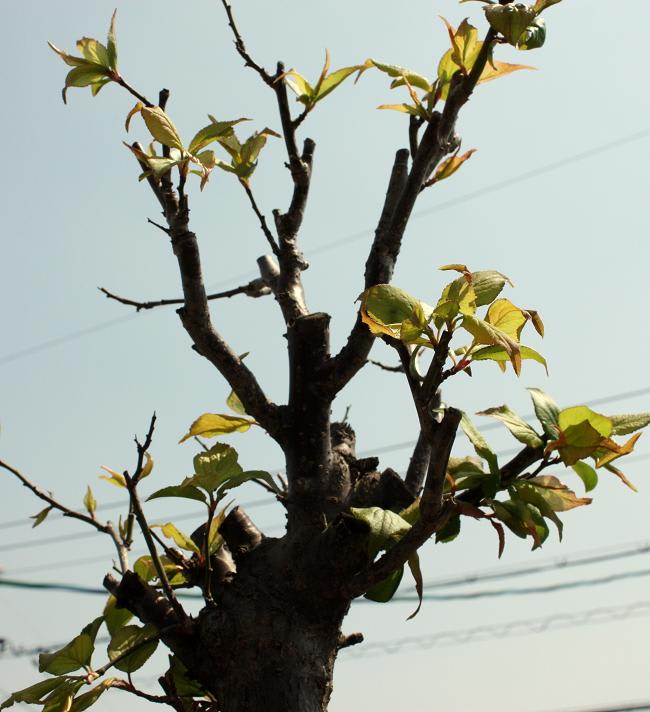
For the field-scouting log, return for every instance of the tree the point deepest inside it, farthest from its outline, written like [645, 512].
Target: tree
[342, 514]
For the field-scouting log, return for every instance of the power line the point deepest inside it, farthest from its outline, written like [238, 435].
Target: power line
[341, 242]
[557, 621]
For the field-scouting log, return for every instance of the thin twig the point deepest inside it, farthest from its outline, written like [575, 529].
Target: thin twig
[260, 216]
[241, 47]
[67, 512]
[126, 687]
[392, 369]
[134, 92]
[255, 288]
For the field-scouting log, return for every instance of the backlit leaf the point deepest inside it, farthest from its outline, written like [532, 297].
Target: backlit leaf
[486, 333]
[133, 637]
[385, 527]
[546, 410]
[90, 503]
[214, 466]
[76, 654]
[41, 516]
[384, 308]
[587, 474]
[506, 317]
[161, 127]
[500, 355]
[184, 491]
[181, 540]
[557, 494]
[115, 617]
[629, 423]
[116, 478]
[543, 4]
[88, 699]
[450, 165]
[582, 431]
[487, 285]
[34, 694]
[210, 133]
[515, 424]
[210, 425]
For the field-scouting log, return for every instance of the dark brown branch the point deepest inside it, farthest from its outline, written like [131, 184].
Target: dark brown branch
[107, 528]
[127, 687]
[433, 510]
[241, 47]
[260, 216]
[239, 533]
[392, 369]
[255, 288]
[418, 465]
[347, 641]
[132, 91]
[437, 141]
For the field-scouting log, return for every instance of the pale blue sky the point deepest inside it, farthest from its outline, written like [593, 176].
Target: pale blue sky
[573, 240]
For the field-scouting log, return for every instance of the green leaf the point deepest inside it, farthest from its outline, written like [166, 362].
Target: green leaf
[210, 425]
[510, 20]
[116, 478]
[458, 297]
[500, 355]
[629, 423]
[34, 694]
[181, 540]
[486, 333]
[587, 474]
[450, 531]
[115, 617]
[450, 165]
[404, 108]
[487, 286]
[213, 467]
[76, 654]
[146, 570]
[90, 503]
[546, 410]
[184, 685]
[515, 424]
[133, 637]
[83, 76]
[397, 72]
[333, 80]
[60, 700]
[582, 432]
[249, 475]
[234, 403]
[384, 308]
[40, 517]
[543, 4]
[385, 527]
[299, 85]
[88, 699]
[534, 36]
[184, 491]
[111, 44]
[414, 567]
[480, 443]
[383, 591]
[161, 127]
[212, 132]
[559, 497]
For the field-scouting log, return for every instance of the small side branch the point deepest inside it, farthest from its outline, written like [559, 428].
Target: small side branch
[262, 219]
[241, 47]
[256, 288]
[106, 528]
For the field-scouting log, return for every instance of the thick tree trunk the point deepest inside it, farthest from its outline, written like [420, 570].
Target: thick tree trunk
[269, 645]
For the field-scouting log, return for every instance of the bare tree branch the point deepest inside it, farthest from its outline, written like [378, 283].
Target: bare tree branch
[241, 47]
[255, 288]
[437, 141]
[106, 528]
[384, 367]
[263, 225]
[127, 687]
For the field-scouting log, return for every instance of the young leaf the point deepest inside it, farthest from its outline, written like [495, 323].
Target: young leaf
[510, 20]
[115, 617]
[546, 410]
[543, 4]
[383, 591]
[184, 685]
[34, 694]
[181, 540]
[582, 432]
[142, 640]
[41, 516]
[111, 44]
[214, 466]
[88, 699]
[90, 503]
[515, 424]
[534, 36]
[416, 571]
[184, 491]
[76, 654]
[450, 165]
[385, 527]
[559, 497]
[507, 318]
[480, 444]
[384, 308]
[501, 356]
[487, 285]
[403, 74]
[117, 479]
[234, 403]
[587, 474]
[450, 531]
[210, 425]
[486, 333]
[161, 127]
[626, 424]
[210, 133]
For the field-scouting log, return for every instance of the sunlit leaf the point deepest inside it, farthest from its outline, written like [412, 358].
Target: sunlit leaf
[546, 410]
[384, 527]
[507, 318]
[116, 478]
[587, 474]
[629, 423]
[450, 165]
[486, 333]
[480, 444]
[214, 467]
[557, 494]
[111, 44]
[211, 425]
[621, 476]
[89, 501]
[404, 108]
[184, 491]
[515, 424]
[88, 699]
[500, 355]
[543, 4]
[582, 432]
[510, 20]
[210, 133]
[115, 617]
[161, 127]
[133, 637]
[487, 285]
[397, 72]
[384, 308]
[181, 540]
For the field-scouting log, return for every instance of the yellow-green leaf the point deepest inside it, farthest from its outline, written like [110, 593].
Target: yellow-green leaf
[90, 503]
[210, 425]
[450, 165]
[111, 44]
[148, 465]
[515, 424]
[543, 4]
[384, 308]
[142, 640]
[93, 51]
[501, 356]
[161, 127]
[629, 423]
[115, 617]
[401, 73]
[88, 699]
[116, 478]
[299, 85]
[510, 20]
[34, 694]
[214, 467]
[40, 517]
[559, 497]
[181, 540]
[211, 132]
[490, 335]
[507, 318]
